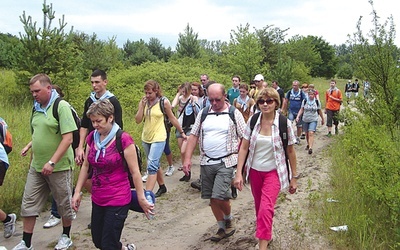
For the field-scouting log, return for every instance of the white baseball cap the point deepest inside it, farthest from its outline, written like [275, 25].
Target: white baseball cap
[259, 77]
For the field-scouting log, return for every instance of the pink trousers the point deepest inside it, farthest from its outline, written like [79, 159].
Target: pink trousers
[265, 187]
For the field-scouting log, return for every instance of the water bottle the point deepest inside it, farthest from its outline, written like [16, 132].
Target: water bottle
[149, 199]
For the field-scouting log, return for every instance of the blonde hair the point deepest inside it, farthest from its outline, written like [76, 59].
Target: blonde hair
[271, 93]
[102, 107]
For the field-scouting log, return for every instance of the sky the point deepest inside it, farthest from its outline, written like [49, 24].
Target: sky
[211, 20]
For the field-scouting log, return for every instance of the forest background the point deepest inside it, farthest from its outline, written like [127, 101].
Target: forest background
[365, 173]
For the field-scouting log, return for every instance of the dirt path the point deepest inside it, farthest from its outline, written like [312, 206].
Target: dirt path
[185, 221]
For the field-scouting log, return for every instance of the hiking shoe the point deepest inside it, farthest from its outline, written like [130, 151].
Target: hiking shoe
[229, 227]
[196, 184]
[22, 246]
[170, 170]
[63, 243]
[234, 192]
[9, 227]
[186, 177]
[131, 246]
[52, 221]
[336, 130]
[219, 235]
[160, 191]
[144, 177]
[329, 134]
[310, 151]
[303, 136]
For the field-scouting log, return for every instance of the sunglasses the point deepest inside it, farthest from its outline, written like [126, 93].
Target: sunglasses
[268, 101]
[215, 100]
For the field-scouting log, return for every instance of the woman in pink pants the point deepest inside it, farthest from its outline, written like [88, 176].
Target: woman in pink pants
[263, 156]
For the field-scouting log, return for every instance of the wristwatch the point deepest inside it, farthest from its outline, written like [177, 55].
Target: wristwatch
[52, 164]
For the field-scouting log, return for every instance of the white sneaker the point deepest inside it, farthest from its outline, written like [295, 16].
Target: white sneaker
[22, 246]
[9, 227]
[130, 247]
[170, 170]
[144, 177]
[51, 222]
[63, 243]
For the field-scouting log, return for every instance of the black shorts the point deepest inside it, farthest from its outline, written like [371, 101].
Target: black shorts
[3, 171]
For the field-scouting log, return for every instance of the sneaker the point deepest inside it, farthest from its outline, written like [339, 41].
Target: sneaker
[9, 227]
[63, 243]
[310, 151]
[160, 191]
[219, 235]
[170, 170]
[52, 221]
[131, 246]
[336, 130]
[297, 141]
[229, 227]
[303, 136]
[22, 246]
[196, 184]
[144, 177]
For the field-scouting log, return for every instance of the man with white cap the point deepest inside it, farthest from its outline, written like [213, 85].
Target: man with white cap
[259, 81]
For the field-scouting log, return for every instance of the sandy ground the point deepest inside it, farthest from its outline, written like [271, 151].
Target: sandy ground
[185, 221]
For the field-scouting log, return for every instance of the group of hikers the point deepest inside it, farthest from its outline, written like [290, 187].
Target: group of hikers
[242, 134]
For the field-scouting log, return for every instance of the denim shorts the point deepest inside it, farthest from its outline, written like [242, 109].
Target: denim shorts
[310, 126]
[292, 117]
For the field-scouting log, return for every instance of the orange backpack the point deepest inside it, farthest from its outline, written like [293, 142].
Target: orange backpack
[5, 136]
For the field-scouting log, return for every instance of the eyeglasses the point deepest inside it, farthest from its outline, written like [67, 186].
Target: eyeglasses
[268, 101]
[215, 100]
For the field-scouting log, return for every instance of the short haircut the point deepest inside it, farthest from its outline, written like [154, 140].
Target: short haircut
[271, 93]
[238, 77]
[42, 78]
[102, 107]
[99, 72]
[244, 86]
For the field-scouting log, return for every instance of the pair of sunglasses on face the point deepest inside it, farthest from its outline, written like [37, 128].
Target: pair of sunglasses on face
[269, 101]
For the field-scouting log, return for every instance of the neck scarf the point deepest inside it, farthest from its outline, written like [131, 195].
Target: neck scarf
[295, 94]
[107, 95]
[148, 111]
[310, 102]
[38, 107]
[243, 104]
[101, 145]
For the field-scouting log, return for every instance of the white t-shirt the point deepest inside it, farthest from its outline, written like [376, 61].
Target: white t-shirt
[263, 159]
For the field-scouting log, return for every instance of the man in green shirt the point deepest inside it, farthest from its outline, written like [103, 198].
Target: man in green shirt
[52, 162]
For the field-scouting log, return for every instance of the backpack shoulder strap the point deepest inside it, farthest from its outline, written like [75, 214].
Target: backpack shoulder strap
[232, 113]
[253, 121]
[204, 113]
[162, 104]
[119, 145]
[55, 108]
[317, 102]
[285, 140]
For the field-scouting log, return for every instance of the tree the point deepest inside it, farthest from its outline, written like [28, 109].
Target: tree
[137, 53]
[328, 66]
[10, 49]
[48, 50]
[243, 54]
[158, 50]
[188, 44]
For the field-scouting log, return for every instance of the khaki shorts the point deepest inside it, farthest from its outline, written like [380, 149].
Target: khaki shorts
[38, 188]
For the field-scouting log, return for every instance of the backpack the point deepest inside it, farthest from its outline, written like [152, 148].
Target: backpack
[231, 113]
[168, 125]
[282, 133]
[75, 134]
[121, 153]
[5, 136]
[316, 101]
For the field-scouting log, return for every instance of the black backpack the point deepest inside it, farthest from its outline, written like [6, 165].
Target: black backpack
[168, 125]
[282, 133]
[121, 152]
[77, 120]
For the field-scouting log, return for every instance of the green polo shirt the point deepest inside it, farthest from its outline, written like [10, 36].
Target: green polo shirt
[47, 135]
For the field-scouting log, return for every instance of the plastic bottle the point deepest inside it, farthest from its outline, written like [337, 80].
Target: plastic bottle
[149, 199]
